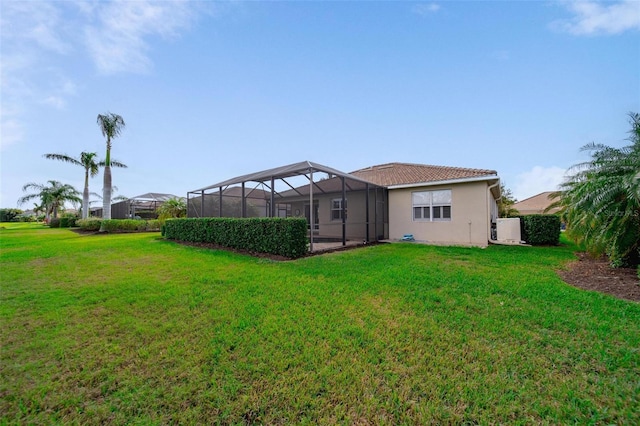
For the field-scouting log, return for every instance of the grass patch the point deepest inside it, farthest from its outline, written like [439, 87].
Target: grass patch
[131, 328]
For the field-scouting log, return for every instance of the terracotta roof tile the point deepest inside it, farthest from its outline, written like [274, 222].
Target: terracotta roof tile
[405, 174]
[536, 204]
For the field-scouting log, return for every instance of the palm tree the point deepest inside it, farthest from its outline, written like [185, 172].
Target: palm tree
[172, 208]
[601, 201]
[87, 160]
[52, 196]
[111, 126]
[506, 202]
[115, 199]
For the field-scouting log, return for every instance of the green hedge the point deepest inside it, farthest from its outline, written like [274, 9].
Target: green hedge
[90, 224]
[62, 222]
[540, 229]
[10, 215]
[119, 225]
[279, 236]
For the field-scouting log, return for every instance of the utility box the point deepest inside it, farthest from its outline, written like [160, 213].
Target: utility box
[508, 230]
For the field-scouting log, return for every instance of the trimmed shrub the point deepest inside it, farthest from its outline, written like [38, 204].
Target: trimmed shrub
[90, 224]
[153, 225]
[54, 222]
[66, 222]
[279, 236]
[124, 225]
[540, 229]
[119, 225]
[10, 215]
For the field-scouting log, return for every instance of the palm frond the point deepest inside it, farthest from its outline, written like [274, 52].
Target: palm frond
[113, 163]
[63, 157]
[110, 124]
[600, 201]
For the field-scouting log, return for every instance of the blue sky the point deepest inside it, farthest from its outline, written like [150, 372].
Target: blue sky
[212, 90]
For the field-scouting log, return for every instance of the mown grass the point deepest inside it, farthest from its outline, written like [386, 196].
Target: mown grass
[134, 329]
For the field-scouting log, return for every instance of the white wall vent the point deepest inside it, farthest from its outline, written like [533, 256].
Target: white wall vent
[508, 230]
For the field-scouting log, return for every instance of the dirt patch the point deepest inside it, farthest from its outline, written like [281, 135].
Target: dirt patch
[595, 274]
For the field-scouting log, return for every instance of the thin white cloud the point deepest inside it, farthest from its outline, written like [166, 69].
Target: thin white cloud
[36, 37]
[59, 91]
[538, 179]
[36, 22]
[32, 33]
[119, 39]
[424, 9]
[55, 101]
[591, 17]
[11, 131]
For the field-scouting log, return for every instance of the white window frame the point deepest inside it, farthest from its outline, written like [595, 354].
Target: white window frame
[338, 209]
[423, 202]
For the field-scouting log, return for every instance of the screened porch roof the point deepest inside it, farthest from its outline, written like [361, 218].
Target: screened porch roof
[154, 196]
[296, 169]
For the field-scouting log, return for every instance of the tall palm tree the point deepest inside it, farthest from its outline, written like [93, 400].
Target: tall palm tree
[601, 201]
[87, 160]
[52, 196]
[114, 199]
[111, 125]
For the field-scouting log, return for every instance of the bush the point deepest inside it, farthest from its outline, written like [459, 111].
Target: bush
[68, 220]
[9, 215]
[90, 224]
[540, 229]
[54, 222]
[124, 225]
[119, 225]
[279, 236]
[172, 208]
[153, 225]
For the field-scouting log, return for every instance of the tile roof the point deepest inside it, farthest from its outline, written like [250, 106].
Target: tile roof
[406, 174]
[536, 204]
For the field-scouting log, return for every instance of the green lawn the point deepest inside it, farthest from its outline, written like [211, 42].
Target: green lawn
[134, 329]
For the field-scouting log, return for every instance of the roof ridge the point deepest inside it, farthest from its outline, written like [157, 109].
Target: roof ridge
[534, 196]
[386, 165]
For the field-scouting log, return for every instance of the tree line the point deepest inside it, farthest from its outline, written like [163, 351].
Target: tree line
[54, 194]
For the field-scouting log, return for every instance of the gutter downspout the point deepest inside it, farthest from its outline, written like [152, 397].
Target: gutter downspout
[489, 208]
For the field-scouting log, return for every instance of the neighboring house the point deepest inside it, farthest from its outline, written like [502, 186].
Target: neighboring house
[256, 204]
[436, 204]
[141, 206]
[536, 204]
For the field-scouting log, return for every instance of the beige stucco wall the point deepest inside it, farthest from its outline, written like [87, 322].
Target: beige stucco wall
[356, 216]
[469, 223]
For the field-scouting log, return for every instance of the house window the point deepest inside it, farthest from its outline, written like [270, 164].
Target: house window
[336, 208]
[430, 206]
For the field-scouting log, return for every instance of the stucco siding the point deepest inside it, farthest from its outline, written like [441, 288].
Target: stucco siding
[469, 224]
[356, 216]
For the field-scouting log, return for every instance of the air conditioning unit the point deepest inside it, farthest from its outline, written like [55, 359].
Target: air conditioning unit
[508, 230]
